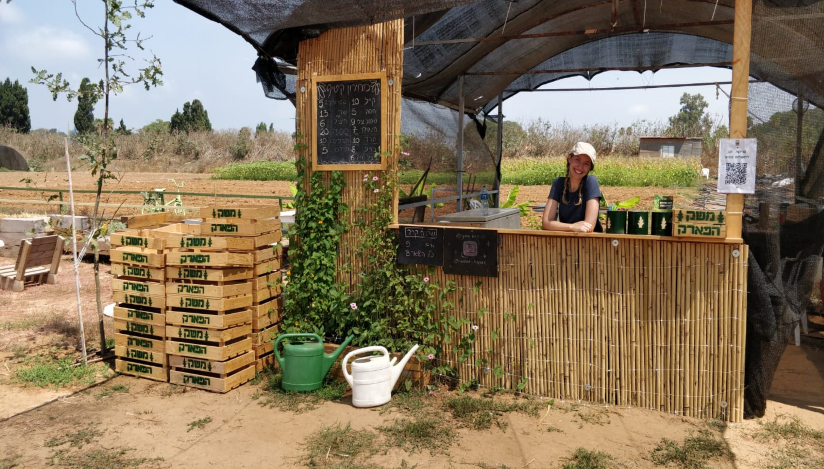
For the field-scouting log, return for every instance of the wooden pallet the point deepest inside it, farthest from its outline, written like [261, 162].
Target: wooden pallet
[267, 267]
[265, 320]
[138, 272]
[209, 275]
[139, 300]
[268, 308]
[133, 286]
[265, 361]
[220, 243]
[142, 343]
[149, 330]
[241, 212]
[213, 383]
[263, 336]
[210, 290]
[208, 352]
[142, 370]
[220, 320]
[129, 354]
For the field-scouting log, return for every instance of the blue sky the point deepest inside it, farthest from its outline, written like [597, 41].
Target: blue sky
[203, 60]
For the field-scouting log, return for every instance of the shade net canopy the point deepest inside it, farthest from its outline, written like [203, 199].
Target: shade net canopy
[502, 48]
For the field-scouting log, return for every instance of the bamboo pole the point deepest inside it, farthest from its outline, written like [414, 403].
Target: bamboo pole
[75, 259]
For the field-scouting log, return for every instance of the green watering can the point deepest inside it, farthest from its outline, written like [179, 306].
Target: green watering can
[304, 364]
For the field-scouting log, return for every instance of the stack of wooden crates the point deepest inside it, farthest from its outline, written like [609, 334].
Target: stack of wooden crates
[222, 295]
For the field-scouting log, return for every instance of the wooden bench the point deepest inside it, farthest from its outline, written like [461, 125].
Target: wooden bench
[29, 269]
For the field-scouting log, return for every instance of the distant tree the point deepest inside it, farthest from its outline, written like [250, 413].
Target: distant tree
[514, 136]
[14, 106]
[123, 130]
[691, 120]
[87, 97]
[261, 128]
[193, 119]
[271, 127]
[158, 126]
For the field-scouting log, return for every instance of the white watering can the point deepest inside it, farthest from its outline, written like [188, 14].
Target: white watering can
[373, 377]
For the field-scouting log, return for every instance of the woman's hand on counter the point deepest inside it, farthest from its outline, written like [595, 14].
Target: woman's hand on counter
[582, 227]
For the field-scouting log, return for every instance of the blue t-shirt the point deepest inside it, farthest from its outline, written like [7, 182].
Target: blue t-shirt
[571, 213]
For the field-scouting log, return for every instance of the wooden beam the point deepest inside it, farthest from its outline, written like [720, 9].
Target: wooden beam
[601, 69]
[738, 101]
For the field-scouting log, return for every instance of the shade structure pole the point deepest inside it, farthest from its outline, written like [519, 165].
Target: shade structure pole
[799, 173]
[742, 34]
[460, 140]
[500, 149]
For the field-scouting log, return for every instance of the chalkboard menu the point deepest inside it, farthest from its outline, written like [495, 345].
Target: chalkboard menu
[420, 245]
[471, 252]
[348, 117]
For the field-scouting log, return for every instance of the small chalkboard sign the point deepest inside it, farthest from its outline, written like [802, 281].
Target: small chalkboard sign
[420, 245]
[348, 116]
[471, 252]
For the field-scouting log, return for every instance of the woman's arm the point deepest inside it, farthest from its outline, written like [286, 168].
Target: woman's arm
[549, 222]
[591, 213]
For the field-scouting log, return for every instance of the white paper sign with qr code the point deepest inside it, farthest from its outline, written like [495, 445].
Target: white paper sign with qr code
[736, 165]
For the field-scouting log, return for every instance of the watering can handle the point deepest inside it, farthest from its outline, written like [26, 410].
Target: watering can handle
[372, 348]
[286, 336]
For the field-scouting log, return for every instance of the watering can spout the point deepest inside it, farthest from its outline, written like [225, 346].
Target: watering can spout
[398, 369]
[329, 358]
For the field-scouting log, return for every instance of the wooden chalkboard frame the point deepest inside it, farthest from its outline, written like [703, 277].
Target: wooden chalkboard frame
[383, 120]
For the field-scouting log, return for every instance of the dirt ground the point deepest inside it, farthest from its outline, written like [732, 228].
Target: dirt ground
[139, 418]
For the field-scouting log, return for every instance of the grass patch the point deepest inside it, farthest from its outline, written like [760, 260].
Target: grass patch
[10, 461]
[422, 432]
[98, 459]
[410, 402]
[33, 322]
[274, 396]
[794, 458]
[333, 446]
[108, 392]
[77, 439]
[257, 171]
[585, 459]
[693, 454]
[483, 413]
[199, 424]
[795, 444]
[44, 372]
[789, 428]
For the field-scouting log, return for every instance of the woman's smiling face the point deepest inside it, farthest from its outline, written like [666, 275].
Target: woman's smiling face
[579, 165]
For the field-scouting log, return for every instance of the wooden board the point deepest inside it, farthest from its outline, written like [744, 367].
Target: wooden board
[273, 306]
[266, 335]
[266, 361]
[221, 243]
[140, 239]
[211, 366]
[138, 272]
[202, 290]
[153, 317]
[264, 254]
[241, 212]
[143, 370]
[217, 336]
[268, 281]
[143, 343]
[139, 354]
[209, 275]
[139, 299]
[267, 267]
[149, 330]
[688, 230]
[263, 349]
[133, 256]
[260, 296]
[699, 217]
[131, 286]
[208, 352]
[218, 227]
[266, 320]
[209, 259]
[212, 321]
[211, 383]
[209, 304]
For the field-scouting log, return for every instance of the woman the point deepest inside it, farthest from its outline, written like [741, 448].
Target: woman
[573, 200]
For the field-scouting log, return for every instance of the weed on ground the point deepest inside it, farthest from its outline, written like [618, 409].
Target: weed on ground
[334, 445]
[45, 372]
[77, 439]
[582, 458]
[482, 413]
[104, 458]
[694, 453]
[419, 433]
[9, 461]
[108, 392]
[274, 396]
[794, 444]
[199, 424]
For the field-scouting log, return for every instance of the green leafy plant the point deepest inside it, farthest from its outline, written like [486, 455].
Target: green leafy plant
[510, 202]
[199, 423]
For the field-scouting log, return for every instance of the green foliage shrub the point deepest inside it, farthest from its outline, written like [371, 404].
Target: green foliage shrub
[257, 171]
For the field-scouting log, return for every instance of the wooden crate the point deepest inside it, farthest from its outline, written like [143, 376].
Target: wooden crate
[266, 320]
[133, 286]
[139, 299]
[209, 304]
[265, 361]
[142, 343]
[220, 243]
[138, 272]
[224, 227]
[153, 317]
[241, 212]
[130, 354]
[267, 267]
[209, 290]
[263, 349]
[207, 319]
[149, 330]
[140, 239]
[134, 256]
[213, 383]
[143, 370]
[217, 336]
[209, 352]
[211, 366]
[268, 308]
[209, 275]
[210, 259]
[265, 335]
[151, 220]
[265, 253]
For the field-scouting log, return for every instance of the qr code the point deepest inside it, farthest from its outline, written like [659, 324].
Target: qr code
[736, 173]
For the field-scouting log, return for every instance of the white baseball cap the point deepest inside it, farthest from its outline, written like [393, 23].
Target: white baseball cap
[583, 148]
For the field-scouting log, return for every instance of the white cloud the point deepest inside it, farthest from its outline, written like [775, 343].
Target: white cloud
[10, 14]
[639, 109]
[47, 43]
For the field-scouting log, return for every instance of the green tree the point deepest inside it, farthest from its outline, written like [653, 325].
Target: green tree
[514, 136]
[123, 130]
[158, 126]
[101, 150]
[261, 128]
[87, 97]
[271, 127]
[193, 119]
[691, 120]
[14, 106]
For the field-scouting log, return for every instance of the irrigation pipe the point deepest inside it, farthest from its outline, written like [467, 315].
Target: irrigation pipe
[75, 260]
